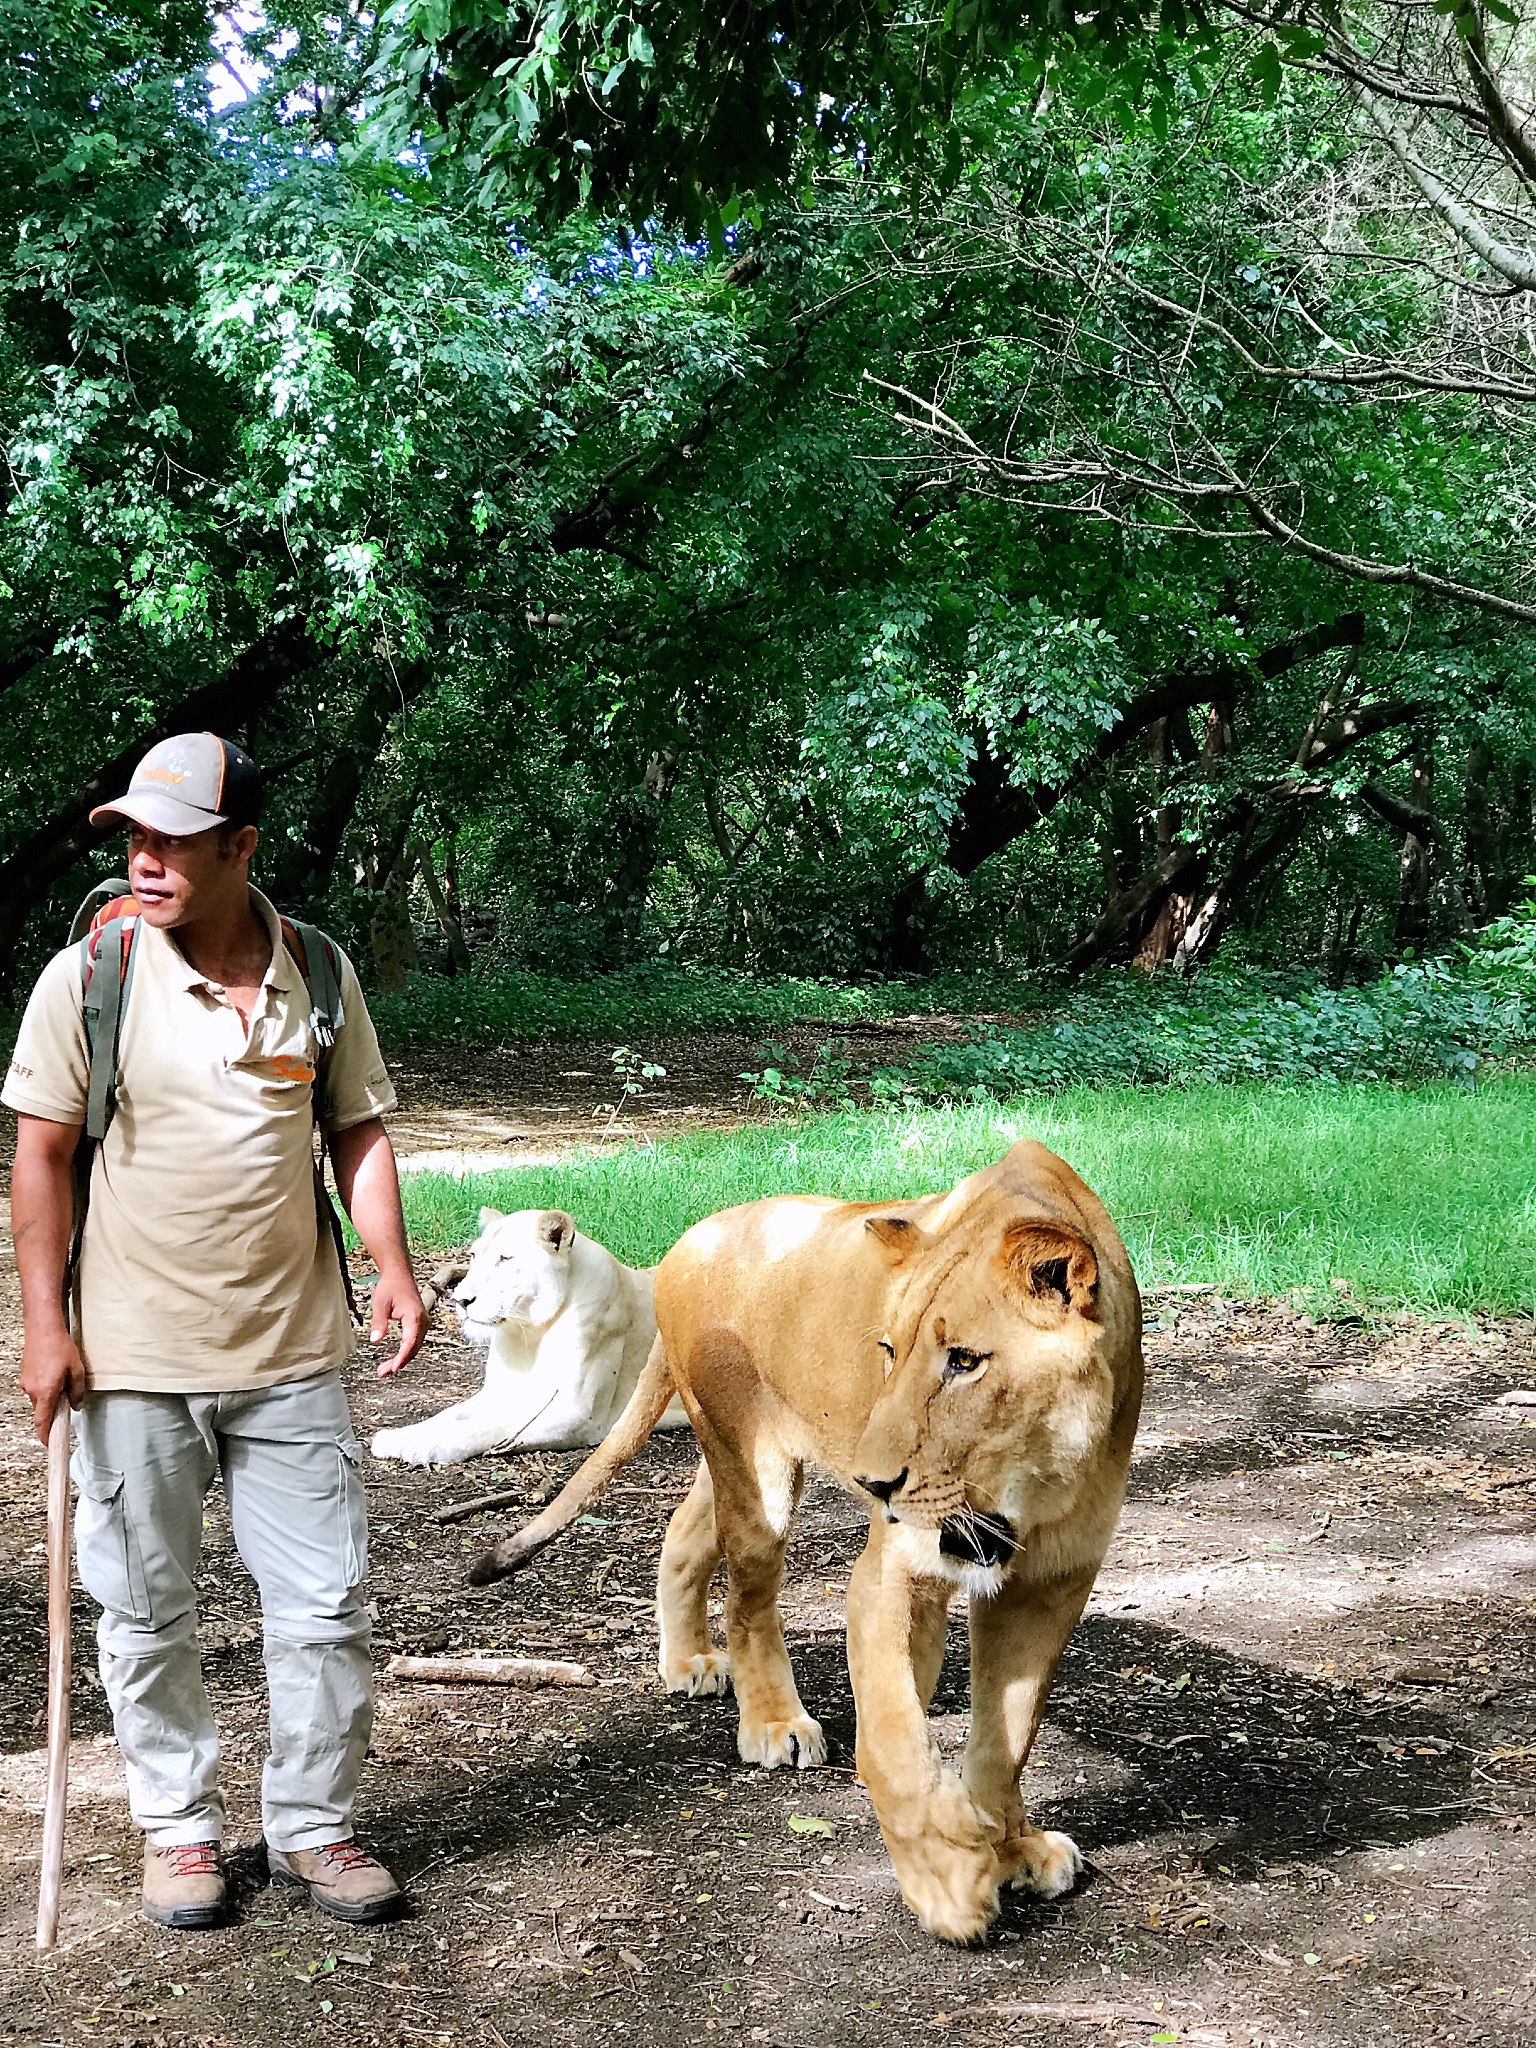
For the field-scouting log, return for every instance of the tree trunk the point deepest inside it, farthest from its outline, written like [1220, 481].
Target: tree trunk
[1264, 833]
[1346, 956]
[1415, 867]
[451, 893]
[638, 830]
[301, 873]
[1178, 869]
[393, 867]
[1258, 851]
[1485, 888]
[447, 923]
[246, 686]
[993, 811]
[1165, 934]
[1517, 841]
[390, 938]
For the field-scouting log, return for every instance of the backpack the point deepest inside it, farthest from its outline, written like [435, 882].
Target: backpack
[106, 928]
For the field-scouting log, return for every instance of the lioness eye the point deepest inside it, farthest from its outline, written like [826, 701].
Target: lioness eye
[886, 1346]
[959, 1361]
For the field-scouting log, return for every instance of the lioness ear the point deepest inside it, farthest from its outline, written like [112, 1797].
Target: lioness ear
[490, 1216]
[555, 1231]
[900, 1237]
[1047, 1259]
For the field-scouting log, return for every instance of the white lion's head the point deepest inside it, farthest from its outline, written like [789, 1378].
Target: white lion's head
[519, 1271]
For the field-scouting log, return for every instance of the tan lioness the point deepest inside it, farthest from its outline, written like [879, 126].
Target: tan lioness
[970, 1364]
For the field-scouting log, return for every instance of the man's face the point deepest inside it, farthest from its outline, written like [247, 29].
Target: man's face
[176, 881]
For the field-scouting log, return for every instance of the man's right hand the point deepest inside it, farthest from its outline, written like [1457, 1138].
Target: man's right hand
[51, 1370]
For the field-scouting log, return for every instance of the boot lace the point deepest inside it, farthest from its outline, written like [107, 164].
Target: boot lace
[193, 1859]
[344, 1857]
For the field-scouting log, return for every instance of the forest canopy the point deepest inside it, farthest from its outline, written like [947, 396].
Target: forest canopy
[1029, 497]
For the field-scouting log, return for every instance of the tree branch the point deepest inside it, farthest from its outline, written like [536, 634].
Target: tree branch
[1517, 265]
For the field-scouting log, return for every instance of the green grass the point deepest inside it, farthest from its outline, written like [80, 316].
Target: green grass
[1419, 1198]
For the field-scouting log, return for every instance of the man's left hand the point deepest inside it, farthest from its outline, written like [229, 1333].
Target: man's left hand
[395, 1300]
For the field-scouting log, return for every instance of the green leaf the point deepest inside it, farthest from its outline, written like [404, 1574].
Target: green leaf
[640, 46]
[1266, 69]
[809, 1824]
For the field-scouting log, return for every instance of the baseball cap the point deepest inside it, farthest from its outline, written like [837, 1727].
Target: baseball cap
[189, 784]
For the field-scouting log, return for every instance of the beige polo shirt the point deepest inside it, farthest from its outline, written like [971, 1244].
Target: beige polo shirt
[203, 1268]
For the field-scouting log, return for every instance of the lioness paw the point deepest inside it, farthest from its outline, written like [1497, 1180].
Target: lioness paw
[699, 1677]
[951, 1887]
[399, 1444]
[1051, 1864]
[773, 1744]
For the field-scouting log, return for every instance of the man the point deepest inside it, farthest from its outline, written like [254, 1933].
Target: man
[210, 1327]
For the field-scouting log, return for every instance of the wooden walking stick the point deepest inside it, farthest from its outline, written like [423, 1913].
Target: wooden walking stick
[58, 1676]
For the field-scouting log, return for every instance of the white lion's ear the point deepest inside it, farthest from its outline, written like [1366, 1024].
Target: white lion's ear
[555, 1231]
[899, 1237]
[490, 1216]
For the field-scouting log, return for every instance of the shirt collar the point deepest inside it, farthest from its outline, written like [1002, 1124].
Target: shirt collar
[282, 969]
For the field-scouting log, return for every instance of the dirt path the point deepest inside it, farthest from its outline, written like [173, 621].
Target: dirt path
[1295, 1734]
[538, 1098]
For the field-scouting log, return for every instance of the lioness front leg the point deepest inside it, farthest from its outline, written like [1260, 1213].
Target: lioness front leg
[689, 1557]
[1017, 1637]
[773, 1728]
[462, 1431]
[938, 1842]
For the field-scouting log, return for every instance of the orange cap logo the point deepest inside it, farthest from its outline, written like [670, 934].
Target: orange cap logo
[163, 775]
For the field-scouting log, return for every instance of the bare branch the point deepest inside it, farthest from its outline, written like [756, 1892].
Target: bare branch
[1516, 264]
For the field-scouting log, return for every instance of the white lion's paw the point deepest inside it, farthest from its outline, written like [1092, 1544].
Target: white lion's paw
[772, 1744]
[1052, 1865]
[403, 1445]
[699, 1677]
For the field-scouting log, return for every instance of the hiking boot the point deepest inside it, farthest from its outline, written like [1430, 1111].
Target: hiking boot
[342, 1879]
[183, 1885]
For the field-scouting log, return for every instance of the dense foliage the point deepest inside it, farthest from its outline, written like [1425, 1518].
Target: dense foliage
[698, 111]
[1099, 544]
[1416, 1023]
[652, 999]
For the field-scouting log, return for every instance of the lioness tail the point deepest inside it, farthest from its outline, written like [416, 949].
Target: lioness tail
[646, 1405]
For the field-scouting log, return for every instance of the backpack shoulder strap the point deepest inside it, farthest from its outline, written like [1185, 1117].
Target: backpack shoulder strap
[104, 998]
[98, 905]
[320, 965]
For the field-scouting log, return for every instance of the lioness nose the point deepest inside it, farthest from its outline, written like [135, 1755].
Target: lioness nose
[882, 1489]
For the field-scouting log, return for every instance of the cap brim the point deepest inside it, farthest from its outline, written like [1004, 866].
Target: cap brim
[159, 814]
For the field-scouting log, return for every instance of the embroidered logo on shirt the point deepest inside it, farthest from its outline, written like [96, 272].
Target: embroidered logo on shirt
[288, 1068]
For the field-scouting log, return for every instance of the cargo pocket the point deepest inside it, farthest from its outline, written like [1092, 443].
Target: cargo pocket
[106, 1548]
[353, 1508]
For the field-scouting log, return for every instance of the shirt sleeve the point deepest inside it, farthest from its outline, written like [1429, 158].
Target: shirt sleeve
[357, 1086]
[50, 1071]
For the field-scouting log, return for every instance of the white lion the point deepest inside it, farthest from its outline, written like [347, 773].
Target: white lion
[566, 1329]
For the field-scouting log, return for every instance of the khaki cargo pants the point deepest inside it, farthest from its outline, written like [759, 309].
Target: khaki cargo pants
[290, 1466]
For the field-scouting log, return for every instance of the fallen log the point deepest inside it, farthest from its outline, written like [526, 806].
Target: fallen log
[507, 1497]
[445, 1277]
[526, 1672]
